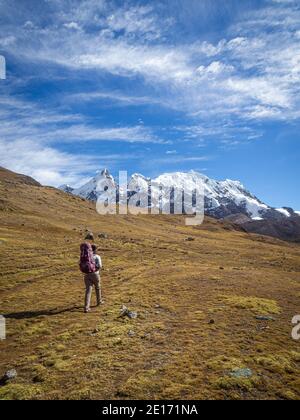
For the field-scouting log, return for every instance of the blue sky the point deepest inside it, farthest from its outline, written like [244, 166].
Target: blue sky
[153, 86]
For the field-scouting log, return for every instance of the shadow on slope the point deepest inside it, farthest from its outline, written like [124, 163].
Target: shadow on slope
[46, 312]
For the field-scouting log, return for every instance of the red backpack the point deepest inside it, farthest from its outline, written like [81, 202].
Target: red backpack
[87, 263]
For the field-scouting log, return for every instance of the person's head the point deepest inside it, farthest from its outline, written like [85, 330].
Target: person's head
[89, 237]
[94, 248]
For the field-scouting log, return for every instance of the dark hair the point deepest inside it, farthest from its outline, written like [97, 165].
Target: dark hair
[94, 248]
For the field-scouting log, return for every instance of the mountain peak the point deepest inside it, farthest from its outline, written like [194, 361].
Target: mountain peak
[222, 198]
[66, 188]
[137, 176]
[232, 183]
[105, 172]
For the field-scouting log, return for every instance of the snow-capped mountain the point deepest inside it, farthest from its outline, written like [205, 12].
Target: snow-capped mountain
[222, 198]
[92, 190]
[67, 189]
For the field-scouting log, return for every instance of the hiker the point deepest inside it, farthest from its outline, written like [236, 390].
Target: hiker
[90, 265]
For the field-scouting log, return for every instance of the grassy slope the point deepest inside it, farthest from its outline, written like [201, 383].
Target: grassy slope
[176, 286]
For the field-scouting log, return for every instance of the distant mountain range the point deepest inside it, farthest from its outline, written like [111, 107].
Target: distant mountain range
[228, 200]
[223, 199]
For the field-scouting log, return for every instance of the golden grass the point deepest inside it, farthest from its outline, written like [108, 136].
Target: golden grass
[196, 322]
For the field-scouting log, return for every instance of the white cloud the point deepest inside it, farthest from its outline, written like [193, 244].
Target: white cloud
[218, 131]
[177, 160]
[254, 67]
[72, 25]
[47, 165]
[85, 133]
[215, 68]
[121, 98]
[252, 73]
[50, 166]
[29, 24]
[263, 112]
[7, 41]
[137, 21]
[31, 139]
[22, 120]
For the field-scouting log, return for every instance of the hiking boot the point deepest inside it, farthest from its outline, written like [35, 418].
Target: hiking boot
[86, 311]
[101, 302]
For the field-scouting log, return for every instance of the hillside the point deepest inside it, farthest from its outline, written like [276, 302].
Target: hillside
[288, 229]
[197, 292]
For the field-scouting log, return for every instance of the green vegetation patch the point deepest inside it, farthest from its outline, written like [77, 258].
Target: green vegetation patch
[276, 363]
[254, 304]
[144, 384]
[224, 363]
[229, 383]
[19, 392]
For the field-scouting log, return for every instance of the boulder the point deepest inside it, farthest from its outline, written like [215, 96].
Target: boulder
[125, 312]
[103, 236]
[241, 373]
[8, 376]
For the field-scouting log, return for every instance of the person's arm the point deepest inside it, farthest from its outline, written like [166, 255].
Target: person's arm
[100, 262]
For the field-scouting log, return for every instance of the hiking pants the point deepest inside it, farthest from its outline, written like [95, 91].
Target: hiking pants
[92, 280]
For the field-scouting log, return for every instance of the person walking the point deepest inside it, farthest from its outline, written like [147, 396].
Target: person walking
[90, 267]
